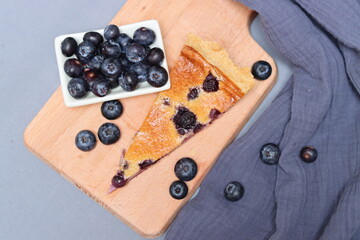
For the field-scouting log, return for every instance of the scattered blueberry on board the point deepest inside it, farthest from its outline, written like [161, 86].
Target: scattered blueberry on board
[185, 169]
[112, 60]
[108, 133]
[112, 109]
[178, 189]
[261, 70]
[85, 140]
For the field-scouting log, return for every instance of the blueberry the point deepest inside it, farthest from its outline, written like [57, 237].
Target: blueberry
[211, 84]
[144, 36]
[135, 52]
[73, 67]
[193, 93]
[198, 127]
[68, 46]
[128, 81]
[185, 169]
[178, 189]
[270, 153]
[261, 70]
[77, 88]
[234, 191]
[111, 109]
[158, 76]
[141, 70]
[113, 82]
[118, 180]
[214, 113]
[95, 62]
[146, 163]
[111, 32]
[100, 88]
[110, 50]
[184, 119]
[93, 37]
[124, 40]
[85, 51]
[155, 56]
[125, 62]
[111, 67]
[90, 77]
[85, 140]
[308, 154]
[108, 133]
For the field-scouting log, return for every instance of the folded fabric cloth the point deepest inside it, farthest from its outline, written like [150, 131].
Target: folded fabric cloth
[319, 107]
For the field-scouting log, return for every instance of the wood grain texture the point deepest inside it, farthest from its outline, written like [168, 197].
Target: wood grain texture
[145, 204]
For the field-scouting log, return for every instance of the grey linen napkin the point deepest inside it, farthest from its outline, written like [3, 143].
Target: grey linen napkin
[319, 106]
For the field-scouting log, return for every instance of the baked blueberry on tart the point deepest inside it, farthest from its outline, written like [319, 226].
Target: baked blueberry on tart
[205, 84]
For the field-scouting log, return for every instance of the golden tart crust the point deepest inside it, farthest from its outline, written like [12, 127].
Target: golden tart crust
[158, 135]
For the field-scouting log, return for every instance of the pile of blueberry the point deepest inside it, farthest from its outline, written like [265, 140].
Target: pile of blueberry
[101, 65]
[108, 133]
[185, 170]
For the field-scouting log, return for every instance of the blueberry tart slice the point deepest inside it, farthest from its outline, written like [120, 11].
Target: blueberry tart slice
[205, 84]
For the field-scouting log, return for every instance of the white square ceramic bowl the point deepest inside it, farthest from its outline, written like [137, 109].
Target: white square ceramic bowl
[116, 93]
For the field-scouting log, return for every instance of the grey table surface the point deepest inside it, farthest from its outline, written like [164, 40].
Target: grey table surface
[36, 202]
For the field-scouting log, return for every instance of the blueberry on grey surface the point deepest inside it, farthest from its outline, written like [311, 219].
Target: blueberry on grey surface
[144, 36]
[211, 84]
[85, 140]
[109, 50]
[135, 52]
[193, 93]
[178, 190]
[184, 120]
[128, 81]
[112, 109]
[111, 67]
[95, 62]
[100, 88]
[308, 154]
[68, 46]
[111, 32]
[185, 169]
[155, 56]
[141, 70]
[113, 82]
[85, 51]
[270, 153]
[234, 191]
[90, 77]
[261, 70]
[158, 76]
[93, 37]
[108, 133]
[125, 63]
[124, 40]
[73, 67]
[77, 88]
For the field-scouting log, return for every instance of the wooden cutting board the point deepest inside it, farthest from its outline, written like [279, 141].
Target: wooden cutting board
[145, 204]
